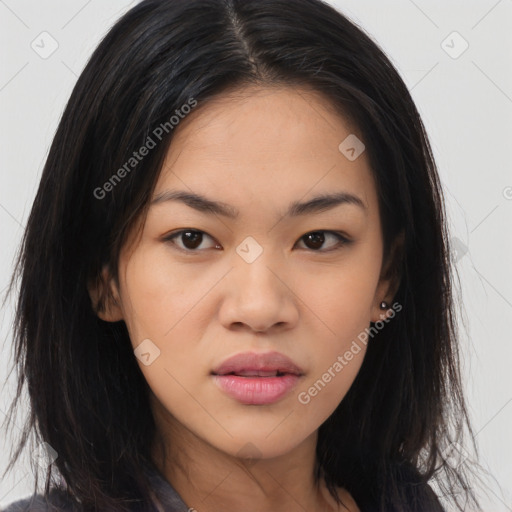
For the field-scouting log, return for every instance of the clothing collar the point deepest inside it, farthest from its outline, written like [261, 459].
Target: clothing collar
[167, 499]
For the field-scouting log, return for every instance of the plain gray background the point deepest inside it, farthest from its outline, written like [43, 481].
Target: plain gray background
[463, 94]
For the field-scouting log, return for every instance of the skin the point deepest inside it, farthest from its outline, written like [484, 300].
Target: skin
[257, 150]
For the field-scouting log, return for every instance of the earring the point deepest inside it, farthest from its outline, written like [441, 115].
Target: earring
[384, 305]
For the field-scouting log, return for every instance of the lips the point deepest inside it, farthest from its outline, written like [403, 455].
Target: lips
[251, 364]
[257, 379]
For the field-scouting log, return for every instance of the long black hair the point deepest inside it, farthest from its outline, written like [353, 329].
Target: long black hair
[88, 398]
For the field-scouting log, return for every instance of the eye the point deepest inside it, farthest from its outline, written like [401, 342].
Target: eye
[190, 240]
[314, 240]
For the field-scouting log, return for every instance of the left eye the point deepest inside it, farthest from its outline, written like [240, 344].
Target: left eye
[191, 240]
[316, 239]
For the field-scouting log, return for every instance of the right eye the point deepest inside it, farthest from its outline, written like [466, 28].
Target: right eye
[190, 240]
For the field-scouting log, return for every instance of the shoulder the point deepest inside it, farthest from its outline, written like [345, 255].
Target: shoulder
[56, 501]
[349, 503]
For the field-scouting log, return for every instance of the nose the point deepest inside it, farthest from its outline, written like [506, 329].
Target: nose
[258, 298]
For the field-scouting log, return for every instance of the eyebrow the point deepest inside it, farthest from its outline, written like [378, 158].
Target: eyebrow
[201, 203]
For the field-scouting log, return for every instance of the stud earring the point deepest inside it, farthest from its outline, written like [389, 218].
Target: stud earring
[384, 305]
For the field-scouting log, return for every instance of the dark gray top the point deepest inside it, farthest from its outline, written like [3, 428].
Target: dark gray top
[58, 501]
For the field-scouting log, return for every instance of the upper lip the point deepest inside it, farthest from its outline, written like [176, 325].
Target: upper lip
[253, 362]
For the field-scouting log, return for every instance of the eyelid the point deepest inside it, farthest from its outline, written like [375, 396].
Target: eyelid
[343, 240]
[175, 234]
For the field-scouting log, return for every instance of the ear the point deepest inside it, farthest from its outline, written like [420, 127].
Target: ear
[389, 279]
[104, 294]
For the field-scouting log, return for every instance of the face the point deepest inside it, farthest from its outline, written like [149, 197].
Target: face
[239, 255]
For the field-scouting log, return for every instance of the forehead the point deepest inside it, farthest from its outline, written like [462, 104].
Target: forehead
[277, 143]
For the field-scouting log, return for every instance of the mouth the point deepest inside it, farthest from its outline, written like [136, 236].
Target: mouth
[256, 373]
[253, 364]
[257, 379]
[256, 389]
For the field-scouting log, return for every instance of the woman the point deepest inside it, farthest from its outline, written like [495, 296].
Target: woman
[235, 290]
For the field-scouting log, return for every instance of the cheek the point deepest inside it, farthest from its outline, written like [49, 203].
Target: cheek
[158, 296]
[343, 305]
[161, 303]
[341, 301]
[319, 396]
[342, 297]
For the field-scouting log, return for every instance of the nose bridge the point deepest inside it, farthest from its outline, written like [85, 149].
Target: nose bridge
[255, 280]
[257, 295]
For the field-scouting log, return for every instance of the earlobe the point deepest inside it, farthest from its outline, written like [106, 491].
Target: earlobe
[383, 311]
[389, 280]
[104, 295]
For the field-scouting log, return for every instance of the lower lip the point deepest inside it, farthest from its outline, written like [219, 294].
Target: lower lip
[256, 390]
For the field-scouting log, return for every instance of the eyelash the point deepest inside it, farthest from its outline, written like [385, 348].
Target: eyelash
[342, 240]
